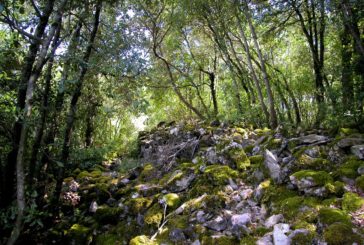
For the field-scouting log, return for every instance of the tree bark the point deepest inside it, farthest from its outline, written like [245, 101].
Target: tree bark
[73, 106]
[273, 115]
[26, 72]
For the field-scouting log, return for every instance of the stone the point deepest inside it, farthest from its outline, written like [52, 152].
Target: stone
[358, 150]
[196, 242]
[273, 220]
[271, 163]
[245, 194]
[313, 139]
[93, 207]
[349, 142]
[219, 223]
[177, 235]
[240, 220]
[265, 240]
[183, 183]
[279, 234]
[361, 170]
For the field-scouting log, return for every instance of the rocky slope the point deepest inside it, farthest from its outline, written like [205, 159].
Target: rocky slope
[222, 185]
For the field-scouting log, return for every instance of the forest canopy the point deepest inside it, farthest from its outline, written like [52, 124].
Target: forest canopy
[80, 79]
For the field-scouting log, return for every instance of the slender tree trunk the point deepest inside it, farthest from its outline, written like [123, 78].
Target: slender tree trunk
[273, 115]
[73, 106]
[255, 78]
[347, 85]
[26, 72]
[44, 108]
[23, 134]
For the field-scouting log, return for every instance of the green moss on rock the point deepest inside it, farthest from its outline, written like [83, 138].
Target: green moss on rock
[320, 178]
[340, 233]
[219, 174]
[218, 240]
[349, 168]
[139, 205]
[257, 159]
[360, 182]
[154, 215]
[172, 200]
[303, 238]
[108, 215]
[352, 202]
[106, 239]
[329, 216]
[240, 158]
[79, 234]
[142, 240]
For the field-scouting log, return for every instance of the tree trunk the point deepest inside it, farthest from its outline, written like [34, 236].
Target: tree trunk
[273, 115]
[255, 78]
[44, 108]
[347, 85]
[26, 72]
[73, 106]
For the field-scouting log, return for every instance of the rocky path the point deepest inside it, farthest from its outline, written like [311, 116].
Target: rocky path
[223, 185]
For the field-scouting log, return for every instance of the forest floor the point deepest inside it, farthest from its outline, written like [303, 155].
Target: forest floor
[199, 184]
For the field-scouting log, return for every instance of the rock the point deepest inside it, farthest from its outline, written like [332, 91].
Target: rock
[123, 182]
[361, 170]
[197, 242]
[240, 220]
[177, 235]
[348, 142]
[245, 194]
[271, 163]
[358, 150]
[183, 183]
[200, 216]
[233, 184]
[265, 240]
[273, 220]
[313, 139]
[279, 234]
[219, 223]
[298, 232]
[93, 207]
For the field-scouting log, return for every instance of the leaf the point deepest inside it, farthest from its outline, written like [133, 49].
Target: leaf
[60, 164]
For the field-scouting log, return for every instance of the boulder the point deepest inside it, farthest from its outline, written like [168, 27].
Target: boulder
[240, 220]
[271, 163]
[273, 220]
[348, 142]
[219, 223]
[279, 234]
[313, 139]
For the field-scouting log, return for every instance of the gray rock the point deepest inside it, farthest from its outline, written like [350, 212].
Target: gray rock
[240, 220]
[361, 170]
[348, 142]
[273, 220]
[177, 235]
[271, 163]
[265, 240]
[197, 242]
[93, 207]
[233, 184]
[219, 223]
[183, 183]
[297, 232]
[279, 234]
[358, 150]
[313, 139]
[245, 194]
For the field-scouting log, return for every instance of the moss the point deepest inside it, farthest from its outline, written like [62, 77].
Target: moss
[263, 131]
[141, 240]
[147, 171]
[336, 188]
[352, 202]
[79, 234]
[319, 177]
[179, 221]
[300, 208]
[106, 239]
[329, 216]
[274, 143]
[347, 131]
[139, 205]
[240, 158]
[249, 149]
[218, 240]
[248, 240]
[349, 168]
[154, 215]
[257, 159]
[340, 233]
[219, 174]
[172, 200]
[300, 224]
[108, 215]
[303, 238]
[93, 174]
[261, 231]
[360, 182]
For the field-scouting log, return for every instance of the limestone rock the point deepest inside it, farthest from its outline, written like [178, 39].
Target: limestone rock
[348, 142]
[358, 150]
[271, 163]
[240, 220]
[313, 139]
[219, 223]
[279, 234]
[273, 220]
